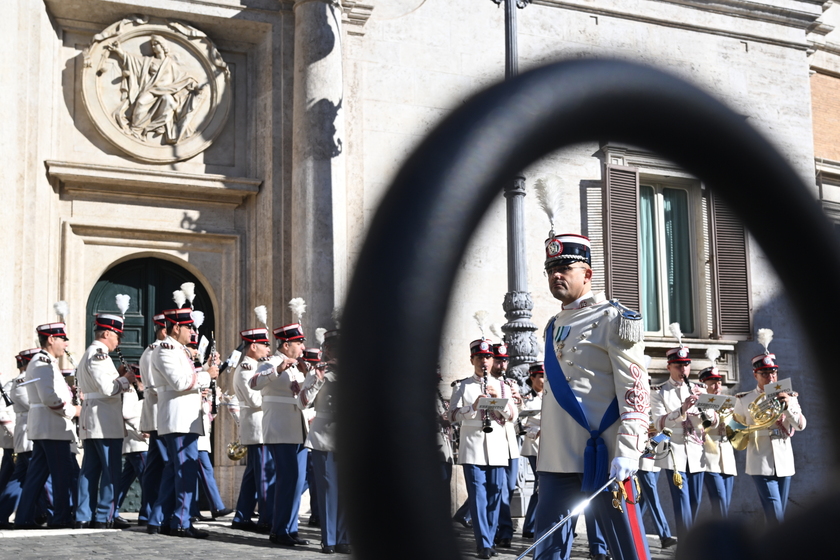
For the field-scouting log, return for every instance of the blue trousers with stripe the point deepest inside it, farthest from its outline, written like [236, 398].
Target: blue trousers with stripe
[559, 494]
[505, 530]
[290, 466]
[719, 486]
[773, 492]
[207, 479]
[333, 521]
[133, 467]
[484, 493]
[651, 504]
[156, 459]
[686, 500]
[178, 485]
[257, 487]
[50, 458]
[98, 480]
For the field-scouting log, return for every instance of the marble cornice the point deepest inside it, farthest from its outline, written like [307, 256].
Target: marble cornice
[72, 177]
[737, 9]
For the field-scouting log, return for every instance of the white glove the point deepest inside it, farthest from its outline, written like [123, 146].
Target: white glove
[623, 468]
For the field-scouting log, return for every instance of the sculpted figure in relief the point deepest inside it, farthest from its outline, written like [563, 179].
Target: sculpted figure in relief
[158, 96]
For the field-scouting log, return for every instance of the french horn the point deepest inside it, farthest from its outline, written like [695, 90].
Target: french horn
[765, 411]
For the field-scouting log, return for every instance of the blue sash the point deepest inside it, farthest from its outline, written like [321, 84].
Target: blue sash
[596, 455]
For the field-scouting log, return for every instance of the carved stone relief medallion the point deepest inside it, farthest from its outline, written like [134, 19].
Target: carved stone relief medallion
[156, 89]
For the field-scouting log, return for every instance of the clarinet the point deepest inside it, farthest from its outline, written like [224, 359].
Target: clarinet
[486, 424]
[128, 369]
[9, 401]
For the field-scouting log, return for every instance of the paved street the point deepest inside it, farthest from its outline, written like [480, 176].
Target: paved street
[223, 543]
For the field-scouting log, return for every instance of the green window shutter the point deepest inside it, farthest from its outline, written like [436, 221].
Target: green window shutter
[621, 234]
[732, 307]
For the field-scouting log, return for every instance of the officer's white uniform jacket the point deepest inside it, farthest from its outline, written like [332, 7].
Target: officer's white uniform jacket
[7, 420]
[688, 437]
[148, 418]
[179, 389]
[283, 421]
[101, 386]
[769, 452]
[319, 394]
[479, 448]
[599, 366]
[250, 402]
[20, 397]
[51, 408]
[510, 427]
[132, 408]
[531, 424]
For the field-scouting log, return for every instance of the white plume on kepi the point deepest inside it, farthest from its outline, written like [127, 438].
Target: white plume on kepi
[198, 318]
[676, 332]
[189, 291]
[179, 298]
[764, 337]
[298, 308]
[549, 189]
[712, 354]
[123, 302]
[319, 335]
[61, 309]
[262, 315]
[481, 320]
[497, 331]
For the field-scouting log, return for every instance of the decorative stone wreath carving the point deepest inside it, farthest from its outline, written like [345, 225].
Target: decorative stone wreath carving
[156, 89]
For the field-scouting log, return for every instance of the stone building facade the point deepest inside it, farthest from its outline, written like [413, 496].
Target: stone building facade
[255, 163]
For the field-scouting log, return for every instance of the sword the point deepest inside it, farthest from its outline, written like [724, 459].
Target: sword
[28, 382]
[577, 510]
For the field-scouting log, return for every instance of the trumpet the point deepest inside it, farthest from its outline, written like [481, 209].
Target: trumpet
[765, 411]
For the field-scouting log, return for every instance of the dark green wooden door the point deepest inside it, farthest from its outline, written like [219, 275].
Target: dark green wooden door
[150, 283]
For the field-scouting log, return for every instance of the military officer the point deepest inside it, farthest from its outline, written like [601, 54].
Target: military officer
[531, 442]
[319, 392]
[720, 457]
[505, 530]
[135, 449]
[769, 451]
[179, 423]
[673, 406]
[101, 425]
[258, 481]
[484, 455]
[596, 399]
[284, 430]
[157, 456]
[7, 433]
[648, 477]
[50, 427]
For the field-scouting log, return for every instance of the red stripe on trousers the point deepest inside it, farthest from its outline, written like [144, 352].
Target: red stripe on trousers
[633, 514]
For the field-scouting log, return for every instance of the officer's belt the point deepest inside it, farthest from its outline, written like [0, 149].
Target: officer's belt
[37, 405]
[284, 400]
[174, 390]
[477, 423]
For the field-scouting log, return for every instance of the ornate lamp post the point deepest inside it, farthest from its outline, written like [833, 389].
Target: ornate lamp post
[519, 329]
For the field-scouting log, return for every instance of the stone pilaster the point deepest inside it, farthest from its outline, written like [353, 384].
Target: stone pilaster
[318, 225]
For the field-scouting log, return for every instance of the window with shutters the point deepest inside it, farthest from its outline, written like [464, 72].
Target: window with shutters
[673, 250]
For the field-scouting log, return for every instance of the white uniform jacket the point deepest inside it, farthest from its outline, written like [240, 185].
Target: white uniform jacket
[531, 424]
[204, 440]
[132, 408]
[148, 418]
[7, 419]
[769, 452]
[510, 427]
[688, 437]
[250, 403]
[179, 389]
[102, 388]
[283, 421]
[599, 365]
[319, 394]
[51, 408]
[479, 448]
[20, 397]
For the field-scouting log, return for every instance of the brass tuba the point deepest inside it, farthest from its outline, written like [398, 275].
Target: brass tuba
[765, 411]
[236, 451]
